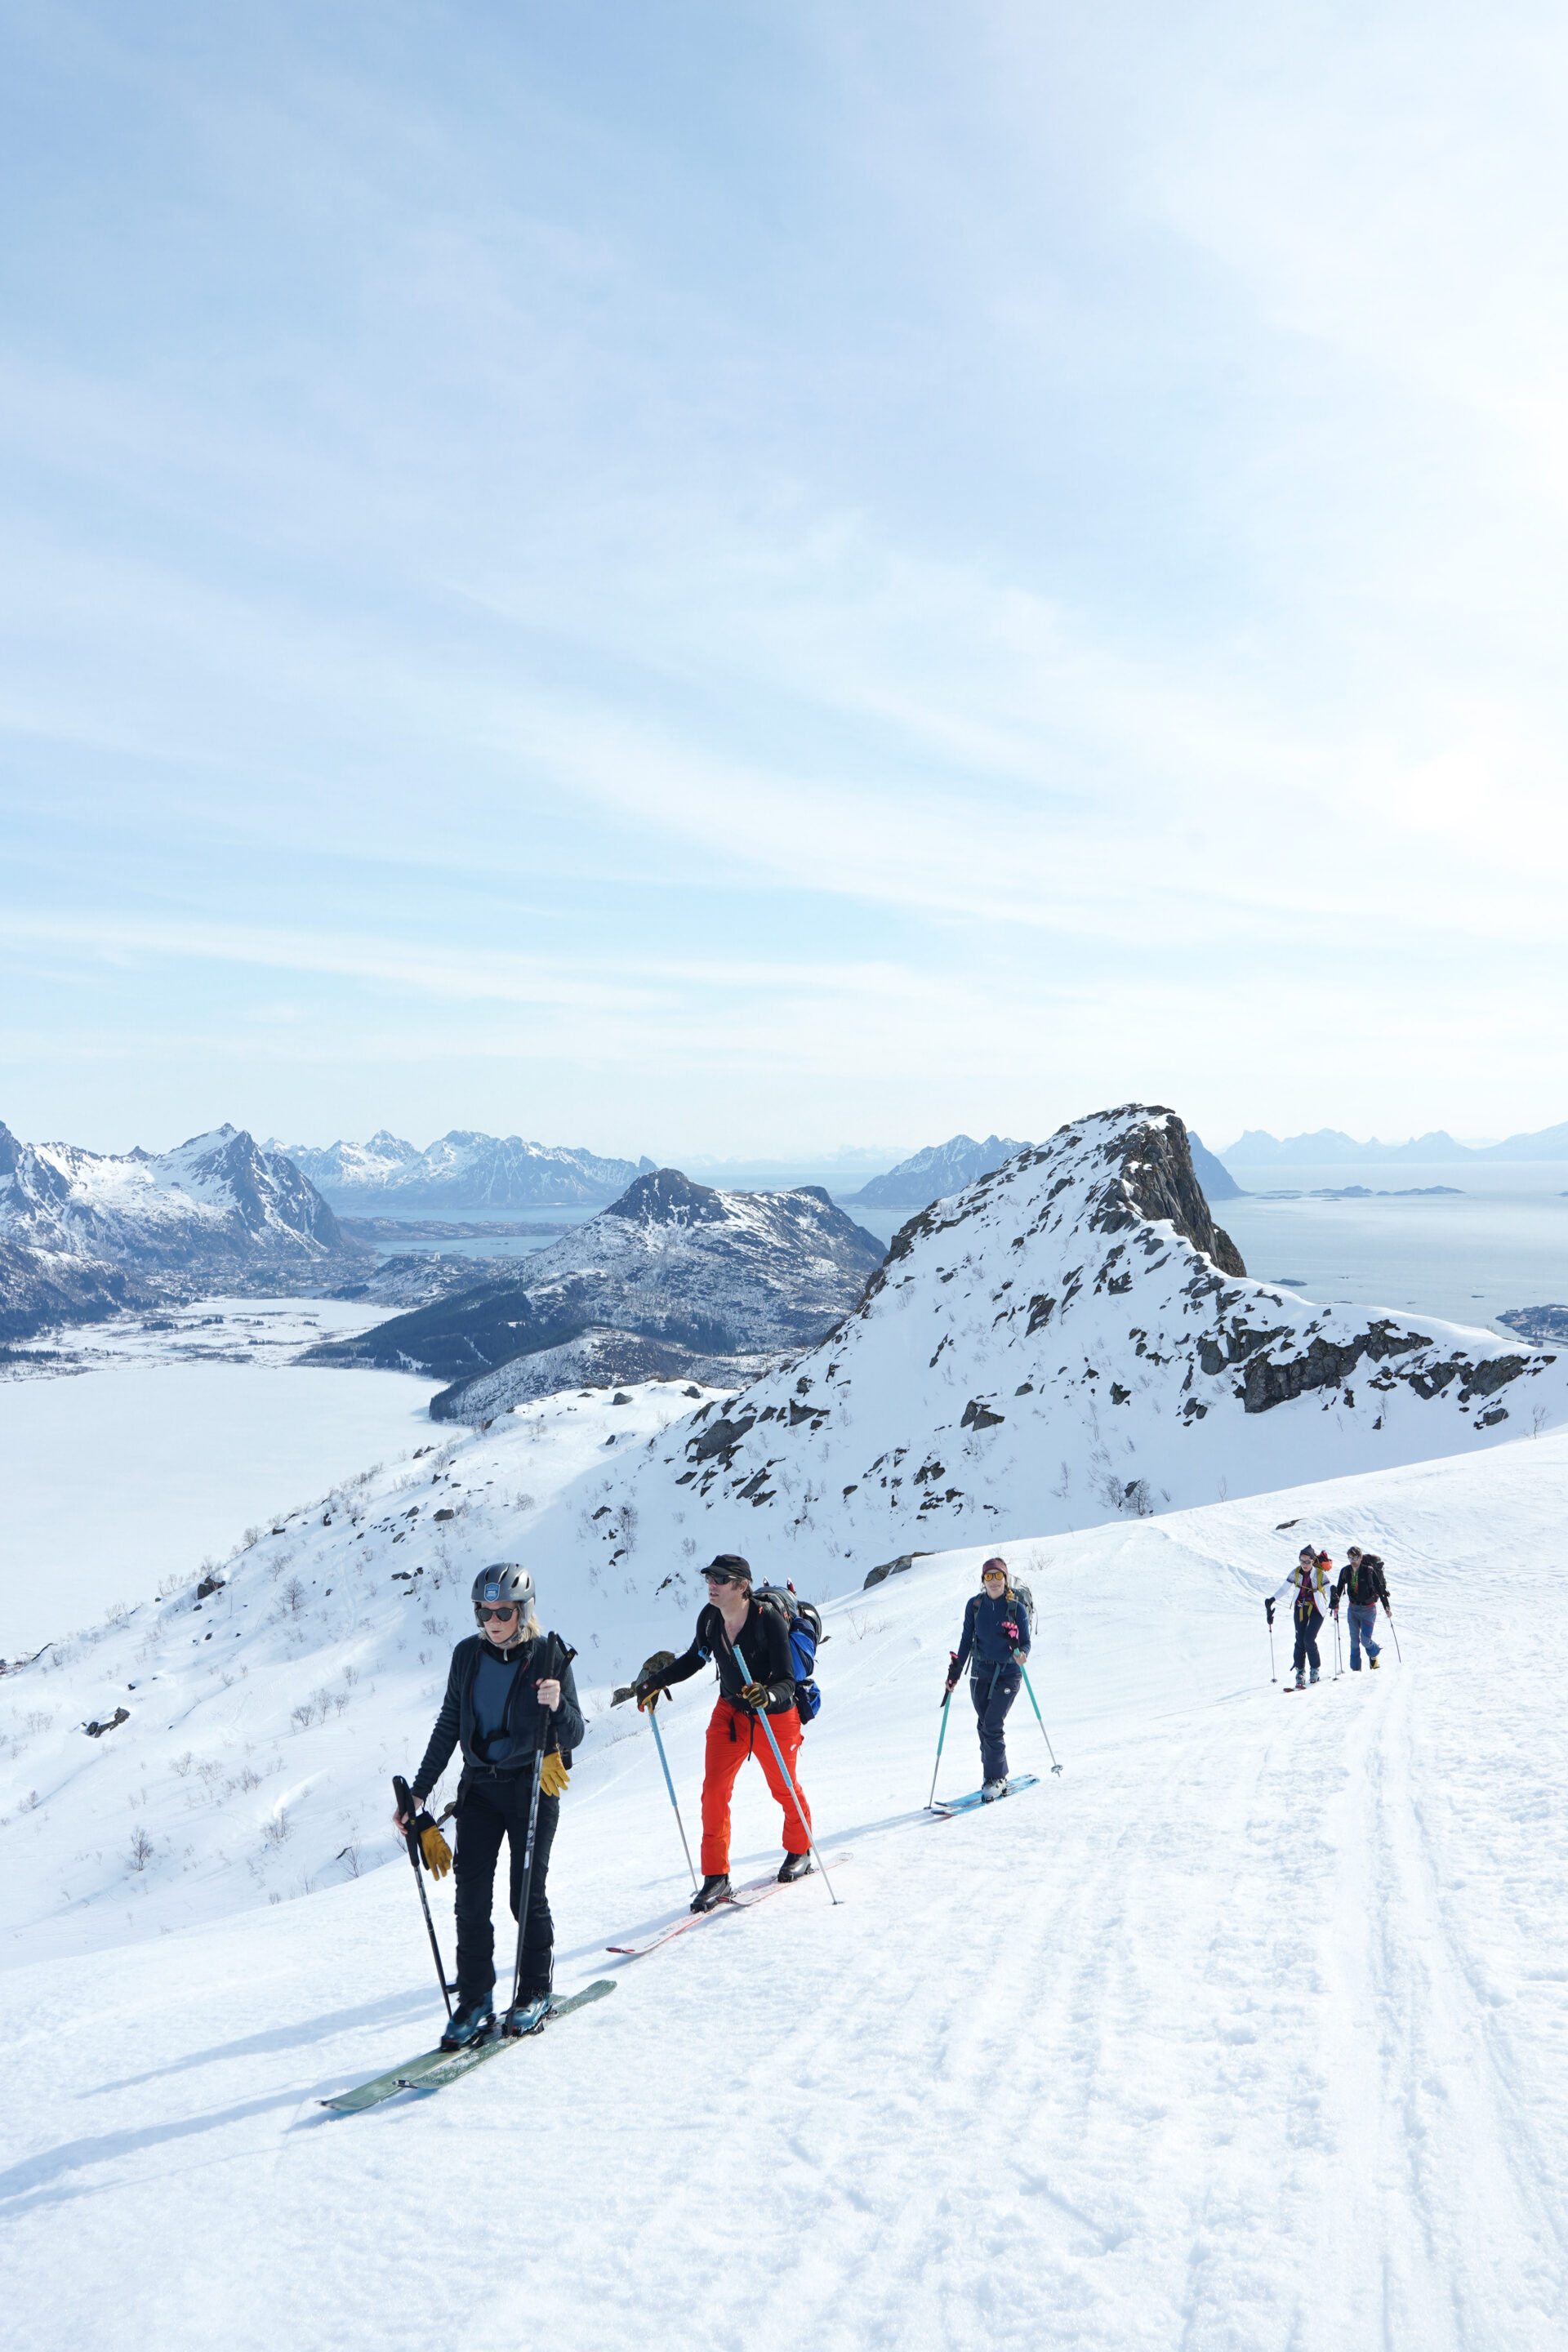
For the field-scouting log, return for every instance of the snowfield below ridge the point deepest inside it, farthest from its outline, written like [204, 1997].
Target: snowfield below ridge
[1246, 2033]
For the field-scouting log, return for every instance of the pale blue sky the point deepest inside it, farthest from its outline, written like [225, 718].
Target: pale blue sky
[737, 578]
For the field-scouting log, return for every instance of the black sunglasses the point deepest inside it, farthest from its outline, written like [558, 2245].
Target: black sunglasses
[510, 1611]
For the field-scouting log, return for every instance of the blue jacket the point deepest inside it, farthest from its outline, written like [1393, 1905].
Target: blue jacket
[993, 1630]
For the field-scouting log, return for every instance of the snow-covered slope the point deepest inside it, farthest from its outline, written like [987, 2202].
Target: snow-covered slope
[940, 1168]
[1244, 2035]
[461, 1170]
[1061, 1342]
[706, 1275]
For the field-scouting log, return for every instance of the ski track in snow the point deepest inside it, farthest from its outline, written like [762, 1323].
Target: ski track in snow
[1249, 2032]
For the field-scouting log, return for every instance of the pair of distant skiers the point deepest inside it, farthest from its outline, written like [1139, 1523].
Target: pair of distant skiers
[1361, 1585]
[511, 1703]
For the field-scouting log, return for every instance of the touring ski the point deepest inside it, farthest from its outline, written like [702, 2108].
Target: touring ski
[433, 2068]
[1017, 1781]
[743, 1899]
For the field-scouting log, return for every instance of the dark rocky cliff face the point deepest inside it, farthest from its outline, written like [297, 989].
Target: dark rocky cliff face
[1157, 1162]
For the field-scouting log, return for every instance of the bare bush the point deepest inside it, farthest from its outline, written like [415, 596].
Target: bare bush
[294, 1596]
[304, 1715]
[140, 1848]
[275, 1832]
[181, 1765]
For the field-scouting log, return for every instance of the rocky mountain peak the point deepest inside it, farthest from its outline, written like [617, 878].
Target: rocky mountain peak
[669, 1198]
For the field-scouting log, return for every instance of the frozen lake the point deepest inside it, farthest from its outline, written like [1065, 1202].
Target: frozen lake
[170, 1437]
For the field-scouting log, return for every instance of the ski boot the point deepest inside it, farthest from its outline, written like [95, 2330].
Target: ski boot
[714, 1890]
[991, 1791]
[1302, 1679]
[1314, 1674]
[1372, 1663]
[533, 2000]
[468, 2022]
[796, 1865]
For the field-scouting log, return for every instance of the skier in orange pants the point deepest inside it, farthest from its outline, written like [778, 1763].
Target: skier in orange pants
[750, 1646]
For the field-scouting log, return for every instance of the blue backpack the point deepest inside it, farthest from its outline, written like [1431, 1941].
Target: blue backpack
[803, 1625]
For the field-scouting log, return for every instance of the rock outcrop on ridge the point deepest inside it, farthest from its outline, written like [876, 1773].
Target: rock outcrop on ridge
[1069, 1339]
[719, 1281]
[86, 1233]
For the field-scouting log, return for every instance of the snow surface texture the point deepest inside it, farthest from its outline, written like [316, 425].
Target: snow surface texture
[1245, 2034]
[704, 1275]
[461, 1171]
[218, 1205]
[181, 1429]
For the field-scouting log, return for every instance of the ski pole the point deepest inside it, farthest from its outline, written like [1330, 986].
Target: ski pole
[407, 1808]
[525, 1891]
[1039, 1719]
[658, 1735]
[1339, 1654]
[785, 1772]
[1393, 1629]
[1272, 1675]
[941, 1735]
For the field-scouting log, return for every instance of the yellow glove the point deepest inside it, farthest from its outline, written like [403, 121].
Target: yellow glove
[437, 1854]
[554, 1777]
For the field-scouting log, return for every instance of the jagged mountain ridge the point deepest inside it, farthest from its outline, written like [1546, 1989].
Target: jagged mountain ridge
[461, 1170]
[87, 1232]
[1070, 1337]
[1257, 1148]
[932, 1174]
[708, 1275]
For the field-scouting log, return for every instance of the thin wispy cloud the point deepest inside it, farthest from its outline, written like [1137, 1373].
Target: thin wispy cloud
[942, 570]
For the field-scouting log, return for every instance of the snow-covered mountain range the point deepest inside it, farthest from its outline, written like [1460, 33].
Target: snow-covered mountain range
[717, 1280]
[84, 1233]
[461, 1170]
[932, 1174]
[1071, 1337]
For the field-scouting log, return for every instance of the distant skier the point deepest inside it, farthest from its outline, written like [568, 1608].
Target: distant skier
[1362, 1586]
[993, 1646]
[750, 1646]
[509, 1693]
[1308, 1582]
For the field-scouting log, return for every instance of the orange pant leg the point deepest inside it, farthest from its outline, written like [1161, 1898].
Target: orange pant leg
[786, 1731]
[728, 1745]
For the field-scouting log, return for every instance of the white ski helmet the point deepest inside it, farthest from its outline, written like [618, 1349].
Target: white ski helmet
[505, 1581]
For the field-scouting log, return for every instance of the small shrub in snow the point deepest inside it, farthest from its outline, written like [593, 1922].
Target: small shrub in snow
[141, 1849]
[275, 1831]
[182, 1764]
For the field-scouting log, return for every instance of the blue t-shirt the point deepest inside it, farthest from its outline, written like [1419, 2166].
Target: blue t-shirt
[493, 1679]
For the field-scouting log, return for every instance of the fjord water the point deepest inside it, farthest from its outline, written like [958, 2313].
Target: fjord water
[1498, 1240]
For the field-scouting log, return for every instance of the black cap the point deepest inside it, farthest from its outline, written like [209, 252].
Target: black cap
[730, 1564]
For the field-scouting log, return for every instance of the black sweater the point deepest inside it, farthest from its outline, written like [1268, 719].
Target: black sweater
[764, 1642]
[1362, 1582]
[527, 1723]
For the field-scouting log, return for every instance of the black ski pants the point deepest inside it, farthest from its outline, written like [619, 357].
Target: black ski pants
[1306, 1626]
[491, 1810]
[994, 1689]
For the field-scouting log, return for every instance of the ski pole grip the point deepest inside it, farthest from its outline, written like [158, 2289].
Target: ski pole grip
[407, 1807]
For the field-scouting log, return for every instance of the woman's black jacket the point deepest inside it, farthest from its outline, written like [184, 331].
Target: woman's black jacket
[529, 1725]
[764, 1649]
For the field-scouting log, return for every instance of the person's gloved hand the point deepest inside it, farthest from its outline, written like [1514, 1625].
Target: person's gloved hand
[755, 1696]
[554, 1777]
[646, 1689]
[1268, 1610]
[437, 1854]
